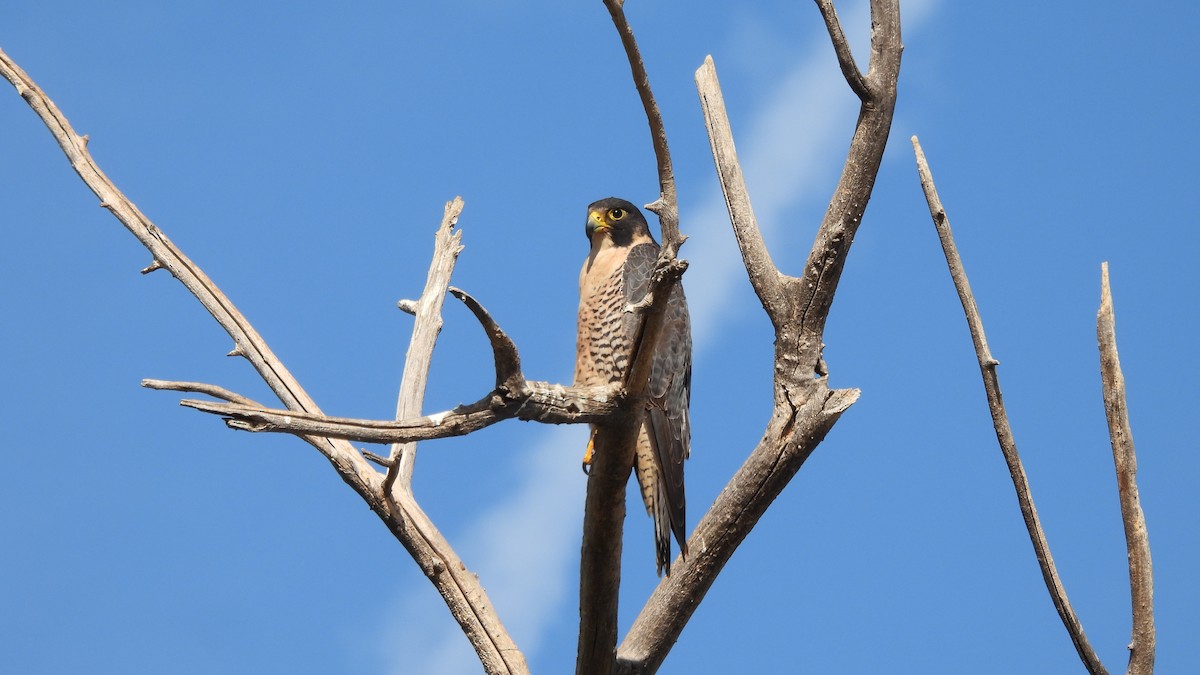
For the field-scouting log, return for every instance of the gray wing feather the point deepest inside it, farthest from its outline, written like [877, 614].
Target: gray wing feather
[667, 423]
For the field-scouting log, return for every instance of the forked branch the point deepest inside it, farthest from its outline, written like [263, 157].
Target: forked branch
[805, 407]
[1008, 446]
[461, 590]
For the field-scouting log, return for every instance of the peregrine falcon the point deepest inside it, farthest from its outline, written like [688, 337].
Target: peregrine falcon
[615, 274]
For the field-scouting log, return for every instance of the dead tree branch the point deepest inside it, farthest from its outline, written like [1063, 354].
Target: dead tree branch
[202, 388]
[464, 595]
[604, 509]
[841, 47]
[1008, 445]
[535, 402]
[428, 312]
[805, 407]
[512, 397]
[1137, 541]
[764, 275]
[667, 204]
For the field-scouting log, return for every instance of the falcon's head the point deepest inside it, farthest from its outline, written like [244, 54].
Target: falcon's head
[616, 219]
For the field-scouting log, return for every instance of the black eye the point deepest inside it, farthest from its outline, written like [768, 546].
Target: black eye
[616, 214]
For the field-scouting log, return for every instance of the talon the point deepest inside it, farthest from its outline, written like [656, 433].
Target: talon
[587, 455]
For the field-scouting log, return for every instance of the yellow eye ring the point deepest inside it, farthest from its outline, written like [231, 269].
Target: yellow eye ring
[616, 214]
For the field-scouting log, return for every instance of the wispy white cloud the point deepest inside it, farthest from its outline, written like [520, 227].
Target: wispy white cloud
[529, 544]
[525, 550]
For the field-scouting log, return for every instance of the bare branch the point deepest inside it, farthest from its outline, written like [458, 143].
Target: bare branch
[202, 388]
[815, 289]
[428, 311]
[464, 596]
[514, 396]
[667, 204]
[533, 402]
[764, 276]
[1008, 446]
[790, 438]
[504, 352]
[841, 47]
[957, 273]
[1137, 541]
[805, 407]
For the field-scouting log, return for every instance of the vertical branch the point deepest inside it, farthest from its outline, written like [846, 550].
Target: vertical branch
[1008, 446]
[428, 312]
[1137, 541]
[600, 556]
[604, 509]
[667, 204]
[841, 48]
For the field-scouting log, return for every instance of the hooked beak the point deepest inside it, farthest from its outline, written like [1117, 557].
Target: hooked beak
[595, 223]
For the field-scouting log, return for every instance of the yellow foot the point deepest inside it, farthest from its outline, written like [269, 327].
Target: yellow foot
[587, 455]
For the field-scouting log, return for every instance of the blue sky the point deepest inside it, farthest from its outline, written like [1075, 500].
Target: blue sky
[301, 155]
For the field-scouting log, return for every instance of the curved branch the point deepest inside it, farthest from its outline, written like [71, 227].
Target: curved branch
[841, 46]
[667, 204]
[533, 402]
[791, 436]
[1008, 446]
[202, 388]
[1137, 541]
[504, 352]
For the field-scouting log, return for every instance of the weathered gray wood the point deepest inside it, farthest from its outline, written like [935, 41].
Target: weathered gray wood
[1004, 435]
[1137, 540]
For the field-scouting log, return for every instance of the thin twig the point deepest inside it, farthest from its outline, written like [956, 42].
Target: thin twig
[1137, 541]
[957, 273]
[460, 589]
[1008, 446]
[841, 47]
[202, 388]
[428, 312]
[247, 341]
[385, 462]
[513, 396]
[504, 352]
